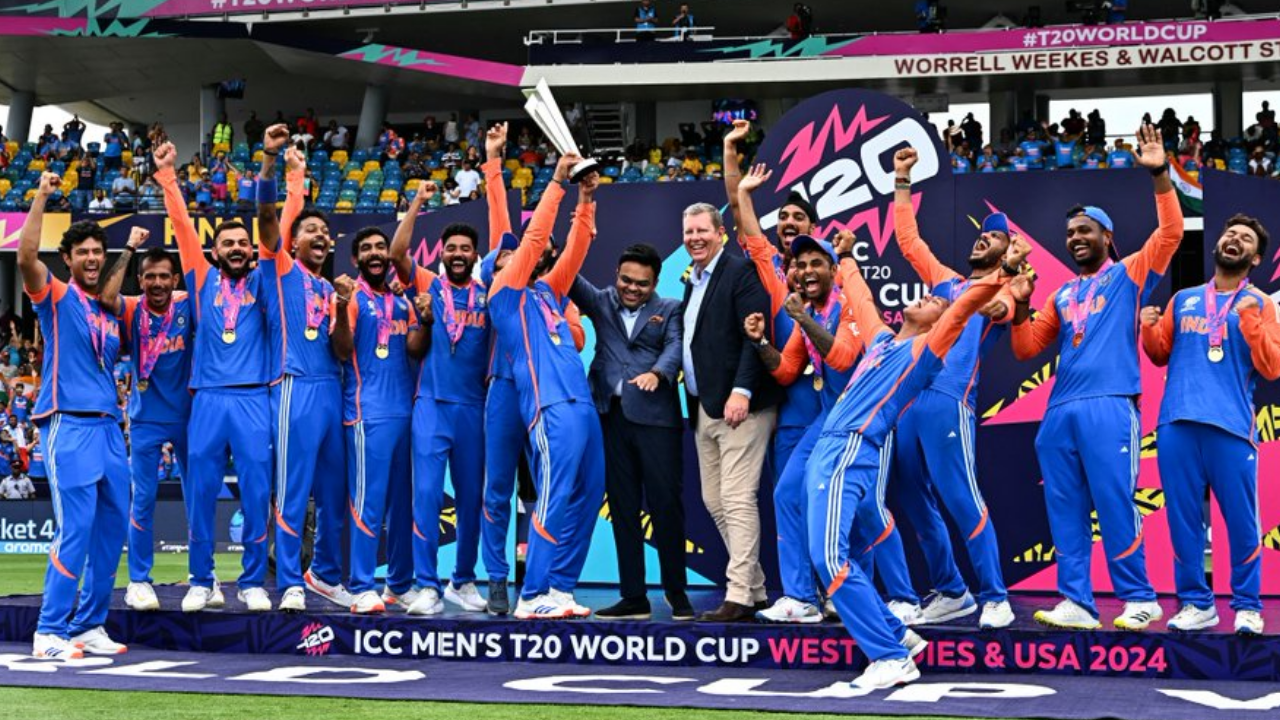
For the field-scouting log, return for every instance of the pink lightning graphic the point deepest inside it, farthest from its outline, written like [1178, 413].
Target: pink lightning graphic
[806, 152]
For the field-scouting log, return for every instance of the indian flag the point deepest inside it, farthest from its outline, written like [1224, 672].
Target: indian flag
[1190, 193]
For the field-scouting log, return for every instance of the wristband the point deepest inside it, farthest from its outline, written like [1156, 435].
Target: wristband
[1009, 269]
[845, 256]
[763, 342]
[342, 299]
[266, 191]
[1157, 172]
[272, 153]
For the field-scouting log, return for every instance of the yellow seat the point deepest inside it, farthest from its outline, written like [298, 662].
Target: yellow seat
[655, 156]
[412, 185]
[257, 156]
[219, 147]
[712, 168]
[372, 165]
[388, 196]
[521, 181]
[126, 157]
[36, 165]
[11, 147]
[512, 164]
[339, 156]
[343, 206]
[357, 175]
[605, 179]
[31, 193]
[5, 186]
[440, 175]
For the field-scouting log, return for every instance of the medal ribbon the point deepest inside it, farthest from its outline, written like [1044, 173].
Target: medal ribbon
[550, 314]
[97, 324]
[317, 304]
[1079, 319]
[384, 313]
[150, 348]
[451, 323]
[814, 356]
[1218, 320]
[232, 299]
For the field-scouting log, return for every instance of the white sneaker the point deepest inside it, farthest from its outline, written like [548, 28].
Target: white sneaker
[217, 600]
[142, 597]
[467, 596]
[198, 598]
[294, 600]
[367, 603]
[1069, 616]
[1191, 618]
[908, 613]
[1248, 622]
[428, 603]
[542, 607]
[1138, 615]
[884, 674]
[403, 600]
[913, 643]
[567, 600]
[996, 615]
[96, 642]
[790, 610]
[53, 647]
[942, 608]
[255, 599]
[336, 594]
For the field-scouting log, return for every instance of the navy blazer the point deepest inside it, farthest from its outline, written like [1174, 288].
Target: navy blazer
[654, 344]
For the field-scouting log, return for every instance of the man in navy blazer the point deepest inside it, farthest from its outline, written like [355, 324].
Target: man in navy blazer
[633, 383]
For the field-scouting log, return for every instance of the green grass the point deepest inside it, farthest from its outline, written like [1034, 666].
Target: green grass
[24, 575]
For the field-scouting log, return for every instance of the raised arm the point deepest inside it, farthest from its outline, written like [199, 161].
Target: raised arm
[762, 252]
[1029, 336]
[35, 274]
[1260, 325]
[573, 316]
[269, 236]
[421, 316]
[190, 249]
[1158, 251]
[770, 357]
[524, 260]
[1157, 333]
[948, 328]
[400, 244]
[913, 247]
[109, 295]
[732, 172]
[495, 191]
[342, 333]
[581, 233]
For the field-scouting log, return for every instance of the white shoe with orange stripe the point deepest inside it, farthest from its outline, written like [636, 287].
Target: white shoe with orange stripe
[542, 607]
[97, 642]
[567, 600]
[52, 647]
[367, 603]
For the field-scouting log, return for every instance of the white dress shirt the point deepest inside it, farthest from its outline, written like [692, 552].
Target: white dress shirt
[698, 281]
[628, 323]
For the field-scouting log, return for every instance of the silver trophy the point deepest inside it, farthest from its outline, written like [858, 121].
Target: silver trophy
[542, 107]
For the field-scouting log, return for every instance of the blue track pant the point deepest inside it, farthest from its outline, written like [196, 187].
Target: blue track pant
[842, 474]
[379, 487]
[1089, 452]
[89, 482]
[934, 461]
[307, 418]
[146, 440]
[1195, 457]
[447, 435]
[239, 420]
[505, 438]
[568, 470]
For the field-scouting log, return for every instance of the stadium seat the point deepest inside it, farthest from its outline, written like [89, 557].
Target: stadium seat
[371, 165]
[5, 186]
[356, 175]
[360, 156]
[386, 208]
[343, 206]
[512, 165]
[610, 172]
[388, 196]
[37, 165]
[339, 157]
[440, 175]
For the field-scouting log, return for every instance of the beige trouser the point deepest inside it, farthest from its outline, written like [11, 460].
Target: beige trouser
[730, 461]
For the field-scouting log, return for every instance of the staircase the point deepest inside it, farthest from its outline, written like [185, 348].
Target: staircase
[606, 131]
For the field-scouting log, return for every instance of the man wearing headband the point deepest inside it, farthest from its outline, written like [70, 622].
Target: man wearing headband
[804, 323]
[934, 454]
[1089, 440]
[1217, 340]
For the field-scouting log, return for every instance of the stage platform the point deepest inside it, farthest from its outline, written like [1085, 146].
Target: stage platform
[1024, 648]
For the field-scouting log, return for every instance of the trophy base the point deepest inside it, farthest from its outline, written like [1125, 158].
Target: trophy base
[583, 169]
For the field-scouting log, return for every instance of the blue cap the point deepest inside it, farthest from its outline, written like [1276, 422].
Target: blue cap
[804, 243]
[996, 222]
[508, 242]
[1101, 217]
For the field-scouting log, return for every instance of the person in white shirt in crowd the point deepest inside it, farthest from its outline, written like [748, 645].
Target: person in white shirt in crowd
[100, 203]
[17, 486]
[468, 182]
[336, 136]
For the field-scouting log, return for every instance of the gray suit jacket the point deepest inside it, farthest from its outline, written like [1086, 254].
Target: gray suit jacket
[654, 344]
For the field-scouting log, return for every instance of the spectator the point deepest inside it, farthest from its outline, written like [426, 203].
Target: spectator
[532, 156]
[123, 190]
[390, 144]
[74, 129]
[1032, 149]
[1120, 157]
[47, 143]
[308, 124]
[691, 162]
[800, 23]
[101, 204]
[988, 162]
[468, 181]
[3, 138]
[452, 193]
[303, 136]
[473, 156]
[17, 486]
[17, 431]
[960, 159]
[928, 19]
[66, 149]
[1260, 163]
[222, 134]
[1091, 158]
[1170, 128]
[524, 140]
[113, 147]
[336, 136]
[4, 156]
[245, 195]
[431, 131]
[1191, 130]
[1073, 126]
[195, 171]
[85, 175]
[253, 127]
[415, 168]
[203, 192]
[646, 20]
[150, 198]
[451, 129]
[683, 22]
[1116, 11]
[219, 171]
[972, 130]
[1096, 129]
[1064, 152]
[451, 158]
[473, 134]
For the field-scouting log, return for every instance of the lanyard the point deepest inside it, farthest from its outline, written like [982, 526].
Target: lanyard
[452, 325]
[317, 304]
[815, 358]
[384, 314]
[232, 300]
[150, 348]
[550, 315]
[1218, 319]
[97, 322]
[1079, 316]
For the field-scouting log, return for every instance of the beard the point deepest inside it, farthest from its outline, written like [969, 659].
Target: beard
[983, 262]
[1232, 265]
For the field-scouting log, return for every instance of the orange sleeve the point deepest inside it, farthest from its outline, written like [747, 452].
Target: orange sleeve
[353, 313]
[1261, 329]
[915, 249]
[190, 249]
[581, 232]
[496, 194]
[293, 204]
[1031, 337]
[858, 304]
[948, 328]
[794, 358]
[1158, 251]
[762, 253]
[574, 317]
[422, 279]
[1006, 297]
[53, 286]
[1157, 340]
[522, 262]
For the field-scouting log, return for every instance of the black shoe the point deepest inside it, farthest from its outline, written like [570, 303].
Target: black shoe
[681, 608]
[761, 605]
[499, 603]
[633, 609]
[729, 612]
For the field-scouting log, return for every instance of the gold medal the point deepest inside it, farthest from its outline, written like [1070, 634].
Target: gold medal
[229, 336]
[555, 338]
[817, 383]
[1075, 341]
[312, 333]
[1216, 354]
[142, 385]
[383, 352]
